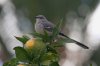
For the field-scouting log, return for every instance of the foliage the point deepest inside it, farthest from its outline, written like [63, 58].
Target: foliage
[40, 50]
[37, 51]
[12, 62]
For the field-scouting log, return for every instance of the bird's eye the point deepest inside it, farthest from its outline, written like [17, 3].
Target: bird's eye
[41, 17]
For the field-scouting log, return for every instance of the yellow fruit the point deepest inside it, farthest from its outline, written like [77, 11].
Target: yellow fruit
[34, 44]
[30, 43]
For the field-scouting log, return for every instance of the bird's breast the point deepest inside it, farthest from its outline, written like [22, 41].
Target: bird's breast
[39, 28]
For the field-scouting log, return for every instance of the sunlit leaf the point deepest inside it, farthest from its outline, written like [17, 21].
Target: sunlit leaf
[23, 39]
[21, 54]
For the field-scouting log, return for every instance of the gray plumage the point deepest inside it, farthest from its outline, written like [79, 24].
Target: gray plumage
[42, 24]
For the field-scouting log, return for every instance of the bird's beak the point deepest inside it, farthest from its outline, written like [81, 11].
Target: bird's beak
[36, 17]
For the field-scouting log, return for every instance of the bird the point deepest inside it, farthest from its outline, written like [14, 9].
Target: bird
[43, 24]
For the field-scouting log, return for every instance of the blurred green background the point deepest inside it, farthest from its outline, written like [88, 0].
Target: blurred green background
[52, 9]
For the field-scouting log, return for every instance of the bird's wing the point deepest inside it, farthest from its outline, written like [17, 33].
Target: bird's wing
[48, 26]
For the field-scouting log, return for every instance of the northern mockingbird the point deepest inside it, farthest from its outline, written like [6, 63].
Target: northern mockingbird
[43, 24]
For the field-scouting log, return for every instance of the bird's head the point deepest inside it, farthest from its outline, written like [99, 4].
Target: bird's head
[40, 17]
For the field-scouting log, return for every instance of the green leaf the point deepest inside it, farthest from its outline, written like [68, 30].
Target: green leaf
[39, 47]
[12, 62]
[45, 37]
[21, 54]
[45, 33]
[56, 29]
[54, 64]
[23, 39]
[50, 48]
[35, 34]
[65, 40]
[59, 24]
[48, 58]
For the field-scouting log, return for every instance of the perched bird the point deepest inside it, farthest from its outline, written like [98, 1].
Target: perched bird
[43, 24]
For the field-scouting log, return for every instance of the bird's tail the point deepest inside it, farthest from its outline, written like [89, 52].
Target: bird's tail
[78, 43]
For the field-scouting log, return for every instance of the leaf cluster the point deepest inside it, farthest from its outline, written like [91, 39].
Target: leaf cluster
[45, 56]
